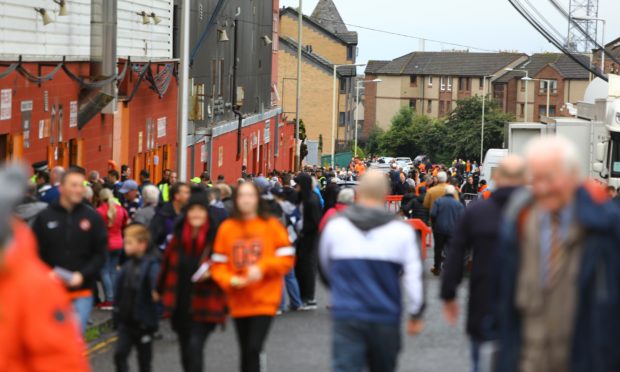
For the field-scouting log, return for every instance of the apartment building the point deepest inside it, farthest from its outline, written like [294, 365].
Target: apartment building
[429, 82]
[567, 82]
[611, 67]
[326, 41]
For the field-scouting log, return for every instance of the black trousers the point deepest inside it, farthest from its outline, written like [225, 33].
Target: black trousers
[441, 242]
[128, 337]
[192, 339]
[306, 267]
[251, 335]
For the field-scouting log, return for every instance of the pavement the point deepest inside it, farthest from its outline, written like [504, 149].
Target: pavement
[300, 342]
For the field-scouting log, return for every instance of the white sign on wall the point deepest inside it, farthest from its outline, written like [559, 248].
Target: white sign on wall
[161, 127]
[73, 114]
[5, 104]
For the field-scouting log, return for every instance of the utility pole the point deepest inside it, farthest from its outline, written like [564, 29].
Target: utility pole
[182, 112]
[297, 165]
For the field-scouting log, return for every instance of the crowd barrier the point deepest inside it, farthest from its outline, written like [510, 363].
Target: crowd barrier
[392, 203]
[426, 234]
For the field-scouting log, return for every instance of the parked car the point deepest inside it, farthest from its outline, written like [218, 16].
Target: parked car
[405, 159]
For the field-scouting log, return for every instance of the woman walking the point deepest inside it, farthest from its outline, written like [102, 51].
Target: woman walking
[252, 253]
[193, 301]
[116, 219]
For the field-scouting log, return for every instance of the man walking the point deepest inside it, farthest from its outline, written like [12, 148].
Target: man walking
[365, 273]
[478, 232]
[559, 270]
[73, 241]
[445, 214]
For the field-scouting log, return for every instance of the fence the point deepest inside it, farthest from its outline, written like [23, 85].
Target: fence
[342, 159]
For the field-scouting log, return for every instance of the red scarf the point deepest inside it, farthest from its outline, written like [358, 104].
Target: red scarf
[187, 239]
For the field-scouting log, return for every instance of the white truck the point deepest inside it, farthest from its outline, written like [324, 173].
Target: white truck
[594, 129]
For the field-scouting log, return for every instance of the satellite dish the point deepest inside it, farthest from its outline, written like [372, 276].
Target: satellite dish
[597, 89]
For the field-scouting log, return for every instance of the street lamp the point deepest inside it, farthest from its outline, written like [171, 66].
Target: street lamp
[357, 107]
[527, 75]
[300, 16]
[484, 96]
[335, 110]
[602, 40]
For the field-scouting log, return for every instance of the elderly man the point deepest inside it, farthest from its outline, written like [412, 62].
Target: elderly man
[559, 270]
[365, 275]
[478, 232]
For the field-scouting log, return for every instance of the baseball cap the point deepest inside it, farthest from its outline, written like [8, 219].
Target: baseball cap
[128, 186]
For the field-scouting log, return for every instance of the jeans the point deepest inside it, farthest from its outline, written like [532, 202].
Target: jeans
[128, 337]
[357, 344]
[108, 273]
[192, 339]
[292, 287]
[306, 267]
[82, 307]
[251, 335]
[475, 355]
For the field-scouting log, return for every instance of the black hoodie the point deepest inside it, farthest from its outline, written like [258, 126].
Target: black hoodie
[310, 204]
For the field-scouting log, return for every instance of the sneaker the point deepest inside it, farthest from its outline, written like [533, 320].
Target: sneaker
[435, 271]
[106, 305]
[279, 312]
[309, 305]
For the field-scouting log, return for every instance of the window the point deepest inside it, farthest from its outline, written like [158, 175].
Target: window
[350, 52]
[442, 83]
[413, 80]
[481, 84]
[542, 110]
[449, 83]
[463, 83]
[521, 109]
[412, 104]
[430, 81]
[343, 85]
[522, 85]
[543, 86]
[442, 108]
[429, 107]
[615, 157]
[341, 119]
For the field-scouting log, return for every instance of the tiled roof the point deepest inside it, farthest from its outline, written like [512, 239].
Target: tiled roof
[317, 59]
[326, 14]
[372, 67]
[346, 37]
[565, 66]
[445, 63]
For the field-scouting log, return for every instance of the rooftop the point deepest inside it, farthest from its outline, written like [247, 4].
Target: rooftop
[561, 62]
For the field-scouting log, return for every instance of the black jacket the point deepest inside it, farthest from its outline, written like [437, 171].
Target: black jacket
[414, 208]
[311, 206]
[76, 240]
[162, 225]
[478, 231]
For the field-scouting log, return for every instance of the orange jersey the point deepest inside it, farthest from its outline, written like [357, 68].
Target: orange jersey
[38, 331]
[360, 168]
[241, 244]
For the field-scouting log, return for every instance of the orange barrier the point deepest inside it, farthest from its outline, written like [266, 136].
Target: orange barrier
[392, 203]
[425, 231]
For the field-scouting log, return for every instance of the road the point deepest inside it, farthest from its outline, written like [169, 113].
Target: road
[300, 342]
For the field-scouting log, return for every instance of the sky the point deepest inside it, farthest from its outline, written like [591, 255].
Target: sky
[487, 24]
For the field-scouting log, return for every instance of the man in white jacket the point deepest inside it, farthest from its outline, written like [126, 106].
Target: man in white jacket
[364, 272]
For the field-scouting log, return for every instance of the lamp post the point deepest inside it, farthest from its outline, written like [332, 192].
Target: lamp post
[335, 109]
[602, 39]
[484, 97]
[527, 75]
[357, 105]
[297, 165]
[183, 110]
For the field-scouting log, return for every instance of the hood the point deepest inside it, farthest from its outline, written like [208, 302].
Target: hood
[305, 183]
[366, 218]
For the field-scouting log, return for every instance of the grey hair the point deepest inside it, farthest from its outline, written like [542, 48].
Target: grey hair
[559, 145]
[88, 193]
[150, 195]
[450, 190]
[346, 196]
[442, 177]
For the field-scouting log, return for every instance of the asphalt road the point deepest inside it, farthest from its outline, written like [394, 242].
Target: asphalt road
[300, 342]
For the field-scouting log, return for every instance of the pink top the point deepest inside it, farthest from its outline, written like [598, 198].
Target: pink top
[115, 232]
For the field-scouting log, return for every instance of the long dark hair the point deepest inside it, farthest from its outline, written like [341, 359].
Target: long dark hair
[263, 208]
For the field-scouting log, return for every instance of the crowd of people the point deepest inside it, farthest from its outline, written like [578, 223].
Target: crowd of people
[540, 250]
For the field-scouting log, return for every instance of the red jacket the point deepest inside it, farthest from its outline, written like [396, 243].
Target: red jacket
[115, 232]
[330, 213]
[38, 331]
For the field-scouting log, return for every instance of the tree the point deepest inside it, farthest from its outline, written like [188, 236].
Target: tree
[374, 138]
[303, 147]
[320, 143]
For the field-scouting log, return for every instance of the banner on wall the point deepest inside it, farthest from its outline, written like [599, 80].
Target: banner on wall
[161, 127]
[26, 109]
[5, 104]
[73, 114]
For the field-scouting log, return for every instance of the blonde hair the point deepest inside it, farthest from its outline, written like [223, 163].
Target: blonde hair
[138, 232]
[106, 196]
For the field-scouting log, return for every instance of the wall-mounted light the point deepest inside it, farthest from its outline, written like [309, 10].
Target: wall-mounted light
[63, 7]
[222, 35]
[266, 40]
[46, 17]
[145, 17]
[156, 19]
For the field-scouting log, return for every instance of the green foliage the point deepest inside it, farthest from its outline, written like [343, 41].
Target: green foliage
[320, 143]
[360, 152]
[303, 147]
[374, 137]
[456, 136]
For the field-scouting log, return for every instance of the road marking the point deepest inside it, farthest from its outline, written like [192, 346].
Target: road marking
[102, 345]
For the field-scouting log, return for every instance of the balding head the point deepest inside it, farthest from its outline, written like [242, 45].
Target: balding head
[511, 172]
[554, 171]
[373, 188]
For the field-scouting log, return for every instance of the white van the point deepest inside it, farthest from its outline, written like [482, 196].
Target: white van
[491, 161]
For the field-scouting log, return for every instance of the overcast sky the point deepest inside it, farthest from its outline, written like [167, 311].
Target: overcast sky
[487, 24]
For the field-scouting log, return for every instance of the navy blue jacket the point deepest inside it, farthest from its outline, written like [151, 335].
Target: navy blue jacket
[478, 232]
[445, 214]
[597, 322]
[145, 310]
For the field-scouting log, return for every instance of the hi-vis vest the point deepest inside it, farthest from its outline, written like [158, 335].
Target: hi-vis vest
[164, 188]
